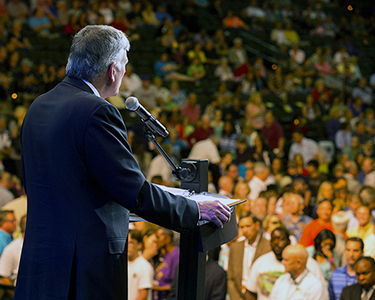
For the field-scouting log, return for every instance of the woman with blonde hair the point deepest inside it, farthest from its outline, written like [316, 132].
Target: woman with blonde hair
[325, 191]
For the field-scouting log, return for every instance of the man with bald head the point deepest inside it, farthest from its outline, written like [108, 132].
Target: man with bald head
[298, 282]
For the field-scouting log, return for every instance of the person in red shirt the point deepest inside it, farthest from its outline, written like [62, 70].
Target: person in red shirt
[324, 212]
[191, 109]
[273, 133]
[202, 132]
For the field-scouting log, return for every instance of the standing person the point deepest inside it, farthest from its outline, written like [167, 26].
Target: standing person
[6, 195]
[140, 271]
[164, 272]
[10, 257]
[323, 221]
[273, 133]
[244, 253]
[268, 268]
[8, 225]
[298, 282]
[82, 180]
[344, 276]
[294, 220]
[324, 252]
[308, 148]
[364, 228]
[364, 289]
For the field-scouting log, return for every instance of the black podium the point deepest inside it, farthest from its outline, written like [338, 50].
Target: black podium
[194, 244]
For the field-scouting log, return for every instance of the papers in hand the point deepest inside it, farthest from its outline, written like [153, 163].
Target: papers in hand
[204, 196]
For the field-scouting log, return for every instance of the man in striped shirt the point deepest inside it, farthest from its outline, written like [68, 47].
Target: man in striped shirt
[344, 276]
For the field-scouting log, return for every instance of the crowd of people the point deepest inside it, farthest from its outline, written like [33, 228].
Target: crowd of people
[310, 198]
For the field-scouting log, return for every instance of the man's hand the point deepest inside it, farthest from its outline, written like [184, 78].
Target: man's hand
[215, 212]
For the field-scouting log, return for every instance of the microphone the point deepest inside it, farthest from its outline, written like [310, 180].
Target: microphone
[152, 123]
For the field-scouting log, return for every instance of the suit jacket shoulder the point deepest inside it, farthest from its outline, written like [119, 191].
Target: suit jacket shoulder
[263, 247]
[352, 292]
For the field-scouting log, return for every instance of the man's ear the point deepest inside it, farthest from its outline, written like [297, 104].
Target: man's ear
[112, 72]
[257, 225]
[140, 246]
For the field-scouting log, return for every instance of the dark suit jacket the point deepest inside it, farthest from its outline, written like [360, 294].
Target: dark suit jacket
[81, 182]
[235, 263]
[353, 292]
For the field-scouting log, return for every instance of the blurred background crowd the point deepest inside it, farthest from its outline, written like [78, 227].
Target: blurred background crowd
[277, 95]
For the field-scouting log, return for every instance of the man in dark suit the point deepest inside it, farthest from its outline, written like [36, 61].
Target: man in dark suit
[364, 289]
[82, 180]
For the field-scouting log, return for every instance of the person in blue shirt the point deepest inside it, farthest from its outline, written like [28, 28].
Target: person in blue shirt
[344, 276]
[8, 225]
[167, 70]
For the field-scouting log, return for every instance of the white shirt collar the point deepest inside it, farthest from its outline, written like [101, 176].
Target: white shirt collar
[254, 244]
[92, 88]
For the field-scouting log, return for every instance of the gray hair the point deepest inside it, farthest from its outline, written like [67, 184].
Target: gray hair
[340, 220]
[94, 49]
[259, 167]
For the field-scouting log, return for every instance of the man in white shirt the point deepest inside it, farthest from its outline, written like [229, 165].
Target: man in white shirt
[206, 149]
[10, 258]
[257, 183]
[298, 283]
[244, 253]
[268, 268]
[307, 148]
[140, 271]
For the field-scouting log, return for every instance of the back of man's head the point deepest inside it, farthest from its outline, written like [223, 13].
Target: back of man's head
[340, 220]
[260, 170]
[94, 49]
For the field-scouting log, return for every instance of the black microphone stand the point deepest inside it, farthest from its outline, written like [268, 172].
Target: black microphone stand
[177, 172]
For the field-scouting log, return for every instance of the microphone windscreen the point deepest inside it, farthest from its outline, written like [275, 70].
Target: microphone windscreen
[132, 103]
